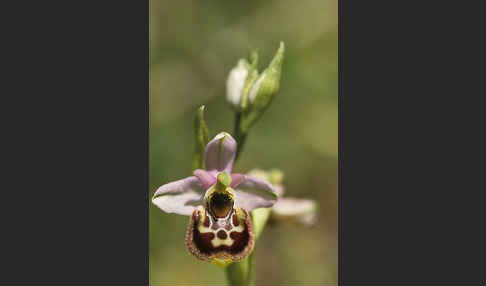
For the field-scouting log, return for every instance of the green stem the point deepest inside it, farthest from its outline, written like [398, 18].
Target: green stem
[240, 135]
[237, 272]
[241, 273]
[250, 279]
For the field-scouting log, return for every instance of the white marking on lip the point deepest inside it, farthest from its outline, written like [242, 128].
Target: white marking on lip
[216, 241]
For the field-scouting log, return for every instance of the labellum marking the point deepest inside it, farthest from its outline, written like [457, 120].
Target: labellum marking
[221, 234]
[221, 239]
[219, 229]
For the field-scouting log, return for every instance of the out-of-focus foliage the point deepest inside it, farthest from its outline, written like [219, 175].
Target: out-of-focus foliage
[193, 46]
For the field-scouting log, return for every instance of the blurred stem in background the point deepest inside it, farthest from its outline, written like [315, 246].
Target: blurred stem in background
[240, 136]
[237, 272]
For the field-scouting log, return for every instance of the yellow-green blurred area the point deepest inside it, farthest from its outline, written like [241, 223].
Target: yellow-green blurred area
[193, 46]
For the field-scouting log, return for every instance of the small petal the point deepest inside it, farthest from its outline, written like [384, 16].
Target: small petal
[254, 193]
[295, 210]
[180, 197]
[224, 179]
[206, 178]
[273, 176]
[220, 153]
[236, 179]
[279, 190]
[235, 82]
[258, 173]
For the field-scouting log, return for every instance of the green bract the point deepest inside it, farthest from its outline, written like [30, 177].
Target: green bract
[202, 138]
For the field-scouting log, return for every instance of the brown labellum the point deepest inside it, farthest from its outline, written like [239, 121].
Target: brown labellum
[228, 238]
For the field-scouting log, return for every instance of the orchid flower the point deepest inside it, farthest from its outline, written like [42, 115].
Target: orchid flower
[287, 209]
[218, 202]
[300, 211]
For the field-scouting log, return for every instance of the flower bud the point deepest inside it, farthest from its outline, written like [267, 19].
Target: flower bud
[268, 83]
[262, 91]
[274, 176]
[235, 83]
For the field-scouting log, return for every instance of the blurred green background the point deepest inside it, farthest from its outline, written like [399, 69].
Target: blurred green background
[193, 46]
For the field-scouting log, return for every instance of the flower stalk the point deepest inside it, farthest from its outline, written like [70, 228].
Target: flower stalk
[237, 273]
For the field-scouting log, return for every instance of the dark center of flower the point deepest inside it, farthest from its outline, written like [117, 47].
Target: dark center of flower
[220, 204]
